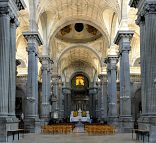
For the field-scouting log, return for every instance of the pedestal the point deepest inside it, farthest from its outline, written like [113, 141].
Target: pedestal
[33, 125]
[6, 124]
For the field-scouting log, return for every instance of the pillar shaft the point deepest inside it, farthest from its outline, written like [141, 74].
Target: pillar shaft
[113, 88]
[45, 107]
[147, 20]
[4, 59]
[123, 40]
[103, 98]
[60, 100]
[12, 67]
[109, 88]
[56, 105]
[34, 41]
[99, 101]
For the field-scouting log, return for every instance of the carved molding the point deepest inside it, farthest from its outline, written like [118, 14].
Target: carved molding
[4, 10]
[33, 36]
[44, 59]
[123, 34]
[148, 8]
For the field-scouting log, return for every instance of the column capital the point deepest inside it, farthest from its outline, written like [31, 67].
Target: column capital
[55, 79]
[20, 4]
[51, 61]
[32, 37]
[134, 3]
[56, 76]
[4, 10]
[113, 60]
[44, 58]
[123, 34]
[146, 8]
[11, 6]
[102, 77]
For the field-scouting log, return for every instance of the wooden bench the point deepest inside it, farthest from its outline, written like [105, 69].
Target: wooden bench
[140, 133]
[14, 132]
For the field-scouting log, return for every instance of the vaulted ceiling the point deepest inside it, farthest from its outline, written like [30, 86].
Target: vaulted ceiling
[56, 20]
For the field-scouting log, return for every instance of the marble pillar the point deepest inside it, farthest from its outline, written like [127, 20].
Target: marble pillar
[113, 113]
[123, 40]
[31, 110]
[45, 104]
[147, 21]
[103, 99]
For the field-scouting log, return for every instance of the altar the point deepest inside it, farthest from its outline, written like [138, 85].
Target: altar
[79, 116]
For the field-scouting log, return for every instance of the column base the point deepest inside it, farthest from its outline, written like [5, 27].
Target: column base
[6, 124]
[113, 121]
[126, 124]
[61, 114]
[44, 121]
[148, 123]
[32, 125]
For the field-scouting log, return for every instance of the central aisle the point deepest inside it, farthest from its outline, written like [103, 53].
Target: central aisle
[79, 128]
[76, 138]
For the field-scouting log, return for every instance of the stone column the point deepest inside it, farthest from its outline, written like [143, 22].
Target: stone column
[147, 22]
[60, 101]
[103, 99]
[67, 101]
[108, 86]
[98, 101]
[65, 105]
[8, 14]
[92, 94]
[12, 68]
[31, 110]
[123, 40]
[113, 114]
[55, 83]
[90, 103]
[45, 107]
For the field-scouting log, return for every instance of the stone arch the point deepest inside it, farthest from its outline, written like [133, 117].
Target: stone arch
[75, 46]
[79, 72]
[136, 62]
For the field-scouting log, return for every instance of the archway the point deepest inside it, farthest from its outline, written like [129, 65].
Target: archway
[79, 92]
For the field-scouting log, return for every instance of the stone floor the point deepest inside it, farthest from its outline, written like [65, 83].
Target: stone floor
[76, 138]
